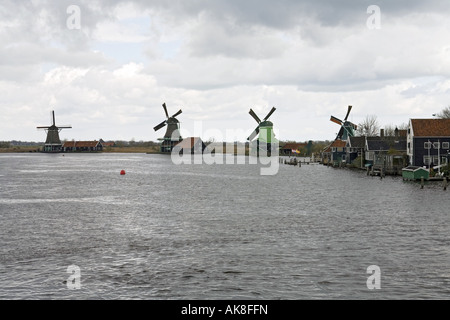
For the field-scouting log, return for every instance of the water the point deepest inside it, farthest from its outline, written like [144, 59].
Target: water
[166, 231]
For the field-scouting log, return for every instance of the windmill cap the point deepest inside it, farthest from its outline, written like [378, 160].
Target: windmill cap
[266, 124]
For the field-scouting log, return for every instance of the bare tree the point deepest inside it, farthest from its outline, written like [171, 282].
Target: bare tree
[368, 127]
[389, 130]
[444, 114]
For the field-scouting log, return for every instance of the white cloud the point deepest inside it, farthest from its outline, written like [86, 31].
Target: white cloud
[216, 60]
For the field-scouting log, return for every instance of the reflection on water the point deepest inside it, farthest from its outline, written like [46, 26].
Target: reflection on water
[166, 231]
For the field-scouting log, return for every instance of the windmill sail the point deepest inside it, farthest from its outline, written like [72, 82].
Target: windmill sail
[347, 127]
[53, 142]
[172, 135]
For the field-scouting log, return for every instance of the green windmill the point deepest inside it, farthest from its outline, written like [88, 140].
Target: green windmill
[347, 128]
[266, 142]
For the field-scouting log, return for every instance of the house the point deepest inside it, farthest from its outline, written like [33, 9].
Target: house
[107, 144]
[335, 153]
[82, 146]
[191, 145]
[355, 147]
[386, 155]
[291, 148]
[428, 142]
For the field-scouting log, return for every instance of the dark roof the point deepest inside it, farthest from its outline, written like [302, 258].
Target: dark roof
[357, 142]
[431, 127]
[384, 145]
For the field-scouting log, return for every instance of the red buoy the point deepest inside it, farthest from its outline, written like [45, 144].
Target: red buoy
[122, 173]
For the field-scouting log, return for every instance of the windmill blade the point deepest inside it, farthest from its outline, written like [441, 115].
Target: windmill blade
[159, 126]
[336, 120]
[270, 113]
[340, 133]
[355, 127]
[348, 113]
[178, 113]
[53, 118]
[253, 114]
[43, 127]
[165, 110]
[254, 134]
[67, 126]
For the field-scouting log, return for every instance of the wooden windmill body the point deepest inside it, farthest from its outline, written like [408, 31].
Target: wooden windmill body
[172, 136]
[266, 142]
[53, 142]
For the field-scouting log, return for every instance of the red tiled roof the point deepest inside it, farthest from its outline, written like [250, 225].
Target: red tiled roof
[336, 144]
[188, 143]
[402, 133]
[431, 127]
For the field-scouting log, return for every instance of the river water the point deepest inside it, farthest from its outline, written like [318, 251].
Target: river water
[222, 231]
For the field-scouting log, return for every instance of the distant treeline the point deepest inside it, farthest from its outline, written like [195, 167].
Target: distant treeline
[15, 143]
[4, 144]
[133, 143]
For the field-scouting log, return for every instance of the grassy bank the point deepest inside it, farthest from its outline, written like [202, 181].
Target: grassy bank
[19, 149]
[152, 149]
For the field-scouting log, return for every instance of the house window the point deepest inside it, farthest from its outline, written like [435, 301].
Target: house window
[426, 160]
[435, 160]
[427, 145]
[436, 145]
[445, 145]
[333, 149]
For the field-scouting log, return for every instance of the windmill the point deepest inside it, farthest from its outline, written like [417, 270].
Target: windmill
[53, 143]
[172, 135]
[264, 131]
[347, 128]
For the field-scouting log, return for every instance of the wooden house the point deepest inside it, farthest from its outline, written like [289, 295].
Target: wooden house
[335, 153]
[386, 155]
[82, 146]
[428, 142]
[191, 145]
[355, 147]
[106, 144]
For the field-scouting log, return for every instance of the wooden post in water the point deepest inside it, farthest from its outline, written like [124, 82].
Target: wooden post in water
[422, 182]
[445, 183]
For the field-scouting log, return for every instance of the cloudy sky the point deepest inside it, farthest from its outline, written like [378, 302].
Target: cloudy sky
[107, 66]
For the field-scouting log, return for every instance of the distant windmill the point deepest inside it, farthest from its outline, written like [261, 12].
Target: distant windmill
[172, 135]
[53, 143]
[347, 128]
[265, 134]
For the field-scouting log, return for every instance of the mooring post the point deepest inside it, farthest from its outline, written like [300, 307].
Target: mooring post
[445, 183]
[422, 182]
